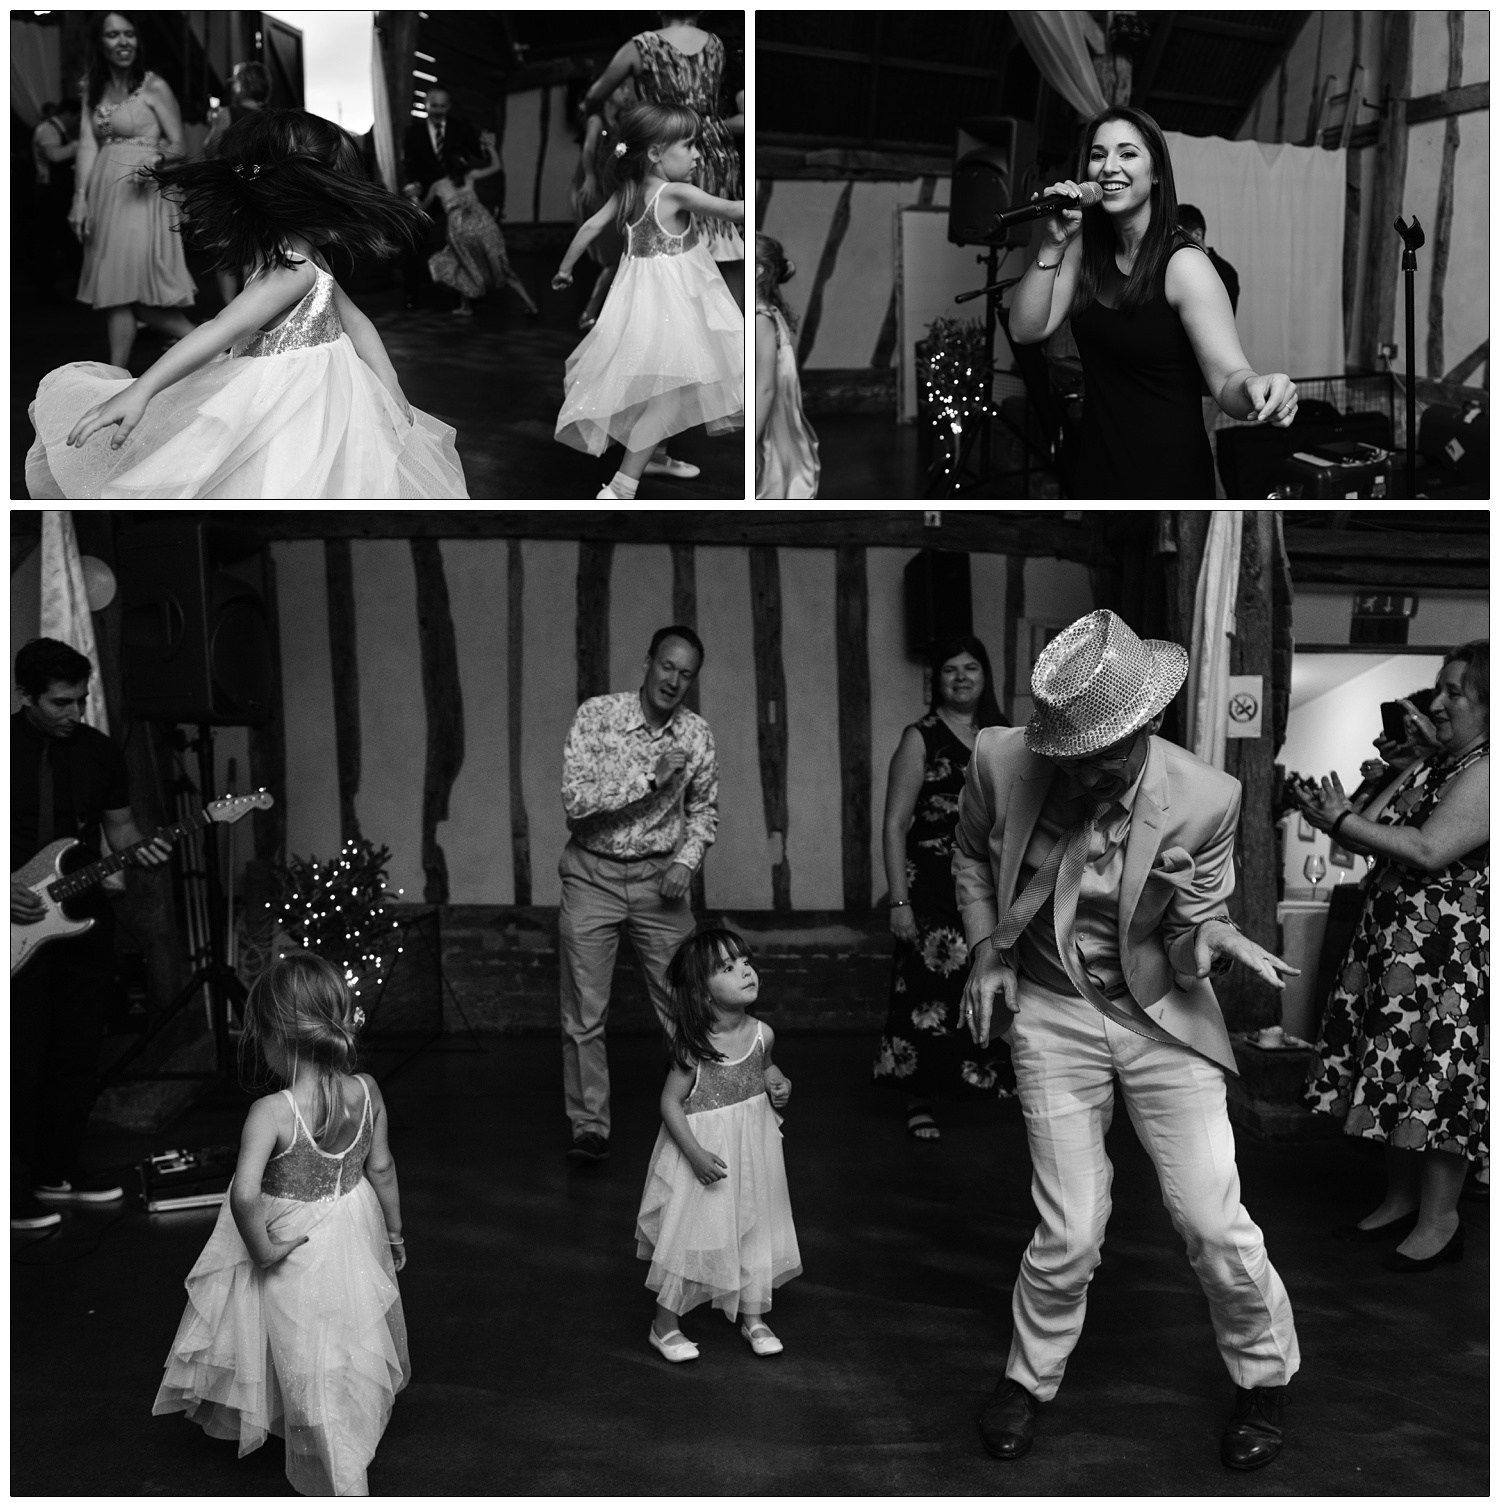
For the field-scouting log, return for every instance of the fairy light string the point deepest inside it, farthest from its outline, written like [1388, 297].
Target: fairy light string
[952, 382]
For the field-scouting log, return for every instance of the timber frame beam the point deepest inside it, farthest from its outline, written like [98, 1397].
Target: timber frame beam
[1348, 557]
[1058, 535]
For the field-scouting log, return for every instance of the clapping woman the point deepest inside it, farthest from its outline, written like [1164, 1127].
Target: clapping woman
[922, 1051]
[1402, 1057]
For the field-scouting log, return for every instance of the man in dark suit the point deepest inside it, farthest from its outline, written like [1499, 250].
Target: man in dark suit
[429, 148]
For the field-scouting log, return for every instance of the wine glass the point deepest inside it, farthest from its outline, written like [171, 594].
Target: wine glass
[1314, 868]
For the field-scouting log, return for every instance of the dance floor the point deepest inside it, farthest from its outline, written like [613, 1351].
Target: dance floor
[528, 1318]
[496, 378]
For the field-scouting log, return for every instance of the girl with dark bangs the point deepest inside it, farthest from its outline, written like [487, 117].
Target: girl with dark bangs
[1151, 319]
[288, 392]
[715, 1220]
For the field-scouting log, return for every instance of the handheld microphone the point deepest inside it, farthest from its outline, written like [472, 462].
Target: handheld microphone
[1089, 193]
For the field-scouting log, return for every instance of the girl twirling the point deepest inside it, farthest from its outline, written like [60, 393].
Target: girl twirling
[293, 1324]
[305, 403]
[786, 449]
[668, 352]
[474, 260]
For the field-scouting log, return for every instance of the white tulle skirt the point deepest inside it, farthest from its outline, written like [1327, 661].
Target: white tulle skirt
[729, 1243]
[667, 354]
[310, 423]
[313, 1350]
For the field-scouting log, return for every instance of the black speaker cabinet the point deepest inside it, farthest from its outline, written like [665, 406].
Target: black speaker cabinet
[196, 638]
[938, 600]
[994, 168]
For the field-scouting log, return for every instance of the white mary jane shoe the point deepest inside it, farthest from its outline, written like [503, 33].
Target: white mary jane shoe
[676, 1347]
[762, 1341]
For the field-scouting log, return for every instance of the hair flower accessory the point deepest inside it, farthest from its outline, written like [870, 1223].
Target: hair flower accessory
[359, 1018]
[620, 149]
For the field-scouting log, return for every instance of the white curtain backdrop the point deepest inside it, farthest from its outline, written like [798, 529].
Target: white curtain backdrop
[1055, 40]
[35, 68]
[1276, 214]
[1213, 627]
[65, 605]
[385, 137]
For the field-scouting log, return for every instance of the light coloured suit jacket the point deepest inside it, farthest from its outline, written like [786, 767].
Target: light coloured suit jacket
[1179, 869]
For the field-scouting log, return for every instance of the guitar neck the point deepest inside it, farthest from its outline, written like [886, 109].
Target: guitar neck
[86, 878]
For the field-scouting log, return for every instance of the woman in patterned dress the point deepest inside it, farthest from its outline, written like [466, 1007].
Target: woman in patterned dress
[133, 262]
[922, 1051]
[681, 64]
[1401, 1057]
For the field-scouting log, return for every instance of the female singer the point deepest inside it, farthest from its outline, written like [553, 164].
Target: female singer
[1150, 317]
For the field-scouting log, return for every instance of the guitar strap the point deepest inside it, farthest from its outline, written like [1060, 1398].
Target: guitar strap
[46, 799]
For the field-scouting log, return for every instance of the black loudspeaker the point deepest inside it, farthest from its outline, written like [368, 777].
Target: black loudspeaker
[196, 638]
[938, 600]
[994, 167]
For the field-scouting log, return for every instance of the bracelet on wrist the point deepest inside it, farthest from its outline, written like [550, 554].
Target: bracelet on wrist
[394, 1240]
[1052, 266]
[897, 904]
[1339, 820]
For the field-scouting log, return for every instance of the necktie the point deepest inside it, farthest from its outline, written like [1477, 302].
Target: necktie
[439, 146]
[1029, 902]
[1065, 907]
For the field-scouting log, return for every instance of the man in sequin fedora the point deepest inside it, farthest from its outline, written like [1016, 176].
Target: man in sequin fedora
[1093, 861]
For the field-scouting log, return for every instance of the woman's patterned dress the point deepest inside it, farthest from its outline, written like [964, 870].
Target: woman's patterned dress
[923, 1051]
[1401, 1057]
[671, 77]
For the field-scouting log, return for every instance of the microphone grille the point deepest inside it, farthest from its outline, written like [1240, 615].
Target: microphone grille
[1090, 193]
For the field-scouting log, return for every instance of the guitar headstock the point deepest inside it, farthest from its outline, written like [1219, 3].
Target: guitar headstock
[231, 808]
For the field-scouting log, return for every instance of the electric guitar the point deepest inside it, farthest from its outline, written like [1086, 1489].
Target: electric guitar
[45, 878]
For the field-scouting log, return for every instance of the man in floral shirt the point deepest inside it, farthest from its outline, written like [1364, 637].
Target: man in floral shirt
[641, 792]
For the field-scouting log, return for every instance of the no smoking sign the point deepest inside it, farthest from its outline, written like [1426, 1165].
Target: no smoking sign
[1246, 698]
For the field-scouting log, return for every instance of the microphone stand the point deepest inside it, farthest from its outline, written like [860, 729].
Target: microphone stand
[1412, 237]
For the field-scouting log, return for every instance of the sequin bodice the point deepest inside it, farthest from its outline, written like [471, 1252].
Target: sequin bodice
[647, 238]
[313, 320]
[720, 1084]
[310, 1175]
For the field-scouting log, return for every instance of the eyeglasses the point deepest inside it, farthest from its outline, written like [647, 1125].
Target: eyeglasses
[1116, 756]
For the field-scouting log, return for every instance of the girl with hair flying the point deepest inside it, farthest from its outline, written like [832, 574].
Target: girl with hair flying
[668, 352]
[1150, 317]
[715, 1220]
[294, 1323]
[288, 392]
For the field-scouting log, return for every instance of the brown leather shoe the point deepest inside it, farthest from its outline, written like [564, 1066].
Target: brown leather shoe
[1252, 1437]
[1008, 1420]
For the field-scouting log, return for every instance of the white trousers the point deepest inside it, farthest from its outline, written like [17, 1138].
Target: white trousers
[1067, 1056]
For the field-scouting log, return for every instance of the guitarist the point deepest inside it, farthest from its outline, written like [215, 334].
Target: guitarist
[66, 780]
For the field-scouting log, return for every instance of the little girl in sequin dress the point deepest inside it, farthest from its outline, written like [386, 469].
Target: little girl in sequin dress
[288, 392]
[715, 1220]
[786, 449]
[668, 351]
[293, 1323]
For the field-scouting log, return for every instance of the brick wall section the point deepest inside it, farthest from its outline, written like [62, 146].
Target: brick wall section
[819, 971]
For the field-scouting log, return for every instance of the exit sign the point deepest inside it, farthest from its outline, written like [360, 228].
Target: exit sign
[1381, 617]
[1385, 604]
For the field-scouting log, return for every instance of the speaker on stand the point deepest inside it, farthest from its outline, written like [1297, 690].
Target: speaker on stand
[196, 648]
[994, 166]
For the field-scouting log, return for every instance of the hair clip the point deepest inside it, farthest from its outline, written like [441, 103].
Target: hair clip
[359, 1018]
[239, 168]
[620, 149]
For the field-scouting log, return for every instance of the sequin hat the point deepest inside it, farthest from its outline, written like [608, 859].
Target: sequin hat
[1096, 683]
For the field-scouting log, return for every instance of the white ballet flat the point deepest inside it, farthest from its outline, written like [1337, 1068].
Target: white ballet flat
[762, 1341]
[676, 1347]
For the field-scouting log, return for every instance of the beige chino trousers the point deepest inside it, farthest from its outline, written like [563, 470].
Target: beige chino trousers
[601, 897]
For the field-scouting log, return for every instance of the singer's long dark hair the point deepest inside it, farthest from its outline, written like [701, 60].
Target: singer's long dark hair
[282, 173]
[1162, 235]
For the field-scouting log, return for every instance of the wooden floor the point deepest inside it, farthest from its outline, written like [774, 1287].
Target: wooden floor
[528, 1317]
[496, 378]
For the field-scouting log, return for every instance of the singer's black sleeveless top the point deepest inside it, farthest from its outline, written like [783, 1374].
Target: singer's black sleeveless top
[1142, 434]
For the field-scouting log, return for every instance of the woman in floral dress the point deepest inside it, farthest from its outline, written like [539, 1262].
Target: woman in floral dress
[1401, 1058]
[922, 1051]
